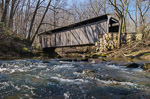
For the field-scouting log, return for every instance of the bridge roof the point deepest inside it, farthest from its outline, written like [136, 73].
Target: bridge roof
[92, 20]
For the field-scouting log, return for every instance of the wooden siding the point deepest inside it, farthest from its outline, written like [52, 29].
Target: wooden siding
[82, 35]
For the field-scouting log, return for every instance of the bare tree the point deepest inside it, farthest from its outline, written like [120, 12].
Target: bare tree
[37, 30]
[4, 15]
[120, 9]
[56, 7]
[14, 6]
[33, 19]
[1, 6]
[142, 7]
[143, 10]
[98, 7]
[134, 19]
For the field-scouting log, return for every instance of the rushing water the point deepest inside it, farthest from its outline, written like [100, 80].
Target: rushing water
[55, 79]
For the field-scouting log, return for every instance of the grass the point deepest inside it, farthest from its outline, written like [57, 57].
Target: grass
[148, 53]
[99, 55]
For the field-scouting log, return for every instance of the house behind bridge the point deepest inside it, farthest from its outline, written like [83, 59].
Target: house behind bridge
[83, 33]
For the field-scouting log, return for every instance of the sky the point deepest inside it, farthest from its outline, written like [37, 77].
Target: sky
[73, 1]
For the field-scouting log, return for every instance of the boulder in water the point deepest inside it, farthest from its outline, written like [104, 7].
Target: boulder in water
[88, 71]
[133, 65]
[146, 66]
[46, 61]
[96, 60]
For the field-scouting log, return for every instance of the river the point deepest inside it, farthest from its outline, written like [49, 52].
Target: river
[57, 79]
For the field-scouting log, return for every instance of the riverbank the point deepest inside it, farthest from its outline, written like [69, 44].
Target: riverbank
[139, 50]
[133, 51]
[11, 45]
[136, 52]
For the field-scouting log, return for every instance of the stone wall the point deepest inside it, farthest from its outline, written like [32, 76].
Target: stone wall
[129, 37]
[108, 41]
[75, 52]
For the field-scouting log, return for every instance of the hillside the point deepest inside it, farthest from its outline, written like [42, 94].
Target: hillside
[136, 50]
[10, 44]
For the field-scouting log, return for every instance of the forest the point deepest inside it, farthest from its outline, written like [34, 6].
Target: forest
[27, 18]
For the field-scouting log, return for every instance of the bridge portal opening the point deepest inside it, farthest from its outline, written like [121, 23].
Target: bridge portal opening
[49, 50]
[113, 25]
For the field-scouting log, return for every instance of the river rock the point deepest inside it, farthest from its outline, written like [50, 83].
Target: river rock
[96, 60]
[118, 63]
[0, 64]
[133, 65]
[146, 66]
[88, 71]
[46, 61]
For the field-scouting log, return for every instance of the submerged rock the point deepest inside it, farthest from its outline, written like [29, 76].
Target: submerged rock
[46, 61]
[133, 65]
[75, 60]
[89, 72]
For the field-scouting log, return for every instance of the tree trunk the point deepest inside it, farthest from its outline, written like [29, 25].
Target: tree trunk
[2, 6]
[34, 36]
[120, 32]
[4, 15]
[32, 21]
[136, 18]
[10, 24]
[136, 29]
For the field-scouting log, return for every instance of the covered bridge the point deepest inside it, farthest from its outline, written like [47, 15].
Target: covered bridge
[83, 33]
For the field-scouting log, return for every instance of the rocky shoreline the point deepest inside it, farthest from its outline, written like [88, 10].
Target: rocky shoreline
[145, 65]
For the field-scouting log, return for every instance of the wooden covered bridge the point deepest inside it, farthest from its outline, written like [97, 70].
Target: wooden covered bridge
[83, 33]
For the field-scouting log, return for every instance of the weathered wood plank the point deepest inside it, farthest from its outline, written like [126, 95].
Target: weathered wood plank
[79, 35]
